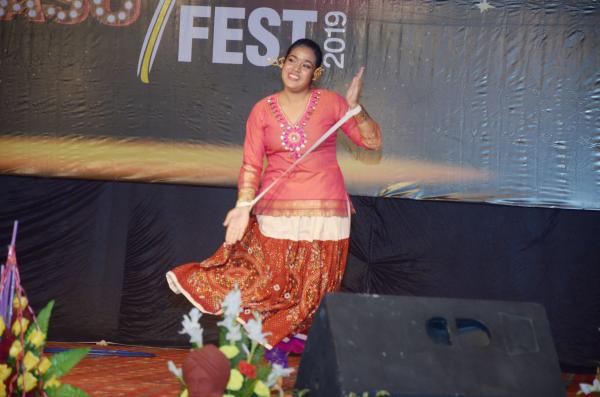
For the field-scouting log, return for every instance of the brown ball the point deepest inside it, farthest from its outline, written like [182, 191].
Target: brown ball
[206, 372]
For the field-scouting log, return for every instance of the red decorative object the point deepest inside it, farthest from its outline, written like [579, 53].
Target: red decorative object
[206, 372]
[247, 369]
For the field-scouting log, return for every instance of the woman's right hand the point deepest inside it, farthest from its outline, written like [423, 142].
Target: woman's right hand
[236, 223]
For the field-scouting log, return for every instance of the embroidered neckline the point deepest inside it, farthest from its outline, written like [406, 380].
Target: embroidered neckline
[293, 137]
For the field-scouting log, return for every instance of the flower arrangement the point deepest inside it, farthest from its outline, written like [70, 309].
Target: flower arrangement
[593, 389]
[249, 374]
[24, 369]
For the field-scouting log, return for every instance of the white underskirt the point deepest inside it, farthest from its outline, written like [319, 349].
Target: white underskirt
[305, 228]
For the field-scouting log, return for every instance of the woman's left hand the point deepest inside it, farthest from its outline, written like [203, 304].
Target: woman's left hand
[353, 93]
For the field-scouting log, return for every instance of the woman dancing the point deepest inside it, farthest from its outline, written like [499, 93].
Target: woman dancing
[288, 250]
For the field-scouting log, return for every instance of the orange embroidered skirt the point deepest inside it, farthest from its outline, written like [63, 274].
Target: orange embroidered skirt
[283, 266]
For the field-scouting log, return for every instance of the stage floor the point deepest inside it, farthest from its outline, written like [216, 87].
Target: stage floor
[116, 376]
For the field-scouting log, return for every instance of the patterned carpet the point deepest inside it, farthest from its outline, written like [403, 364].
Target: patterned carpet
[125, 376]
[149, 377]
[114, 376]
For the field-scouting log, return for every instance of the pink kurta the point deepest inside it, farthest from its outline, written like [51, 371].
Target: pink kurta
[316, 186]
[294, 251]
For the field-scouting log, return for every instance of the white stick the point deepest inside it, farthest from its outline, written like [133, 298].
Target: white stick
[334, 128]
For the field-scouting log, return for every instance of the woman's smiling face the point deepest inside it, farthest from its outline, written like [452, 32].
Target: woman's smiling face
[298, 69]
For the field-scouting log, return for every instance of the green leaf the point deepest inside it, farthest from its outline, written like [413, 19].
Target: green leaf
[65, 390]
[222, 333]
[263, 372]
[382, 393]
[258, 355]
[301, 393]
[43, 318]
[42, 324]
[64, 361]
[248, 389]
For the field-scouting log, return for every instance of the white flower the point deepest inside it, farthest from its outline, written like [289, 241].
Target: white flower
[174, 370]
[245, 349]
[234, 331]
[191, 326]
[227, 322]
[277, 372]
[254, 328]
[232, 304]
[234, 334]
[587, 389]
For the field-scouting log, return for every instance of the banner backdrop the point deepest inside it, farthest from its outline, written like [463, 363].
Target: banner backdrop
[495, 102]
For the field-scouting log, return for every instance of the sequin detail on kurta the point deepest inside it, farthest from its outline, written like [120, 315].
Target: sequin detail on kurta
[293, 137]
[281, 279]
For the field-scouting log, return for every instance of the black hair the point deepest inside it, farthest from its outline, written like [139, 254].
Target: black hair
[310, 44]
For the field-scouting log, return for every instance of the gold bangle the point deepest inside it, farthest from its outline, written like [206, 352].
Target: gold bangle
[246, 194]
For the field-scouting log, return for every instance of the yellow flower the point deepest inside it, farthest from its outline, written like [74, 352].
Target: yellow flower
[230, 351]
[52, 382]
[5, 372]
[44, 365]
[261, 389]
[2, 390]
[28, 383]
[23, 302]
[235, 380]
[184, 393]
[36, 338]
[30, 361]
[20, 326]
[15, 348]
[2, 325]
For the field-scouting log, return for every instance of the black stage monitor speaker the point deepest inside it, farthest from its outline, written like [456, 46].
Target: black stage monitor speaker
[429, 347]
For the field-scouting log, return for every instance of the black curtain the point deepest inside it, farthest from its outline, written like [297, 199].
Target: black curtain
[101, 249]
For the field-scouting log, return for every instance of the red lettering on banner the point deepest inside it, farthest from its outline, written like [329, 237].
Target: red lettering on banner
[77, 12]
[72, 12]
[125, 15]
[31, 9]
